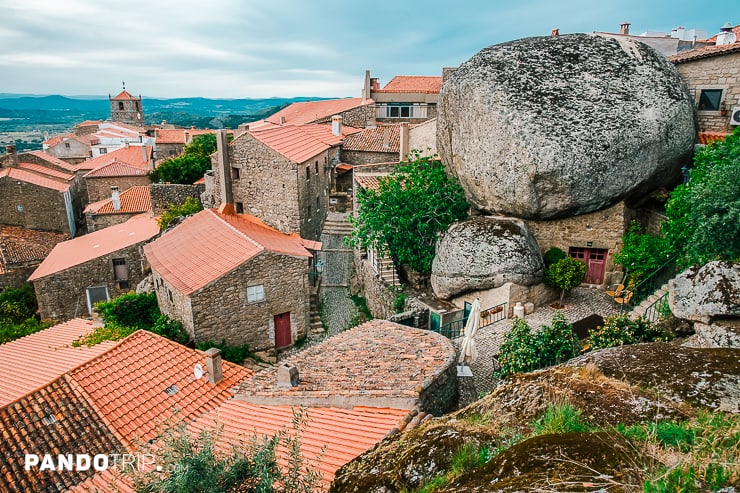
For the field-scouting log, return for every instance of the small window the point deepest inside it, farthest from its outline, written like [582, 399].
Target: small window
[120, 270]
[239, 208]
[316, 167]
[235, 173]
[308, 172]
[66, 145]
[169, 295]
[96, 294]
[103, 150]
[318, 205]
[256, 293]
[120, 106]
[710, 99]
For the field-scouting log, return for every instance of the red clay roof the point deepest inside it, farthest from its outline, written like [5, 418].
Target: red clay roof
[45, 171]
[116, 168]
[127, 384]
[124, 95]
[93, 245]
[34, 179]
[33, 361]
[704, 52]
[89, 123]
[346, 433]
[185, 256]
[709, 137]
[368, 182]
[131, 155]
[21, 246]
[414, 83]
[312, 111]
[178, 136]
[51, 160]
[133, 200]
[300, 143]
[373, 139]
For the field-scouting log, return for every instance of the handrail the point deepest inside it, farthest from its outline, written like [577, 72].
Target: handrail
[651, 283]
[489, 316]
[654, 312]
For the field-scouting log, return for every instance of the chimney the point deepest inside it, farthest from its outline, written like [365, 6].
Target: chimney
[555, 32]
[144, 156]
[10, 153]
[186, 134]
[115, 198]
[403, 141]
[386, 138]
[336, 125]
[282, 120]
[624, 28]
[366, 94]
[222, 154]
[213, 365]
[287, 375]
[374, 86]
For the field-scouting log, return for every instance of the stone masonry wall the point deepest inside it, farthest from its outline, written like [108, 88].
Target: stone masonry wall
[440, 396]
[96, 222]
[165, 195]
[42, 208]
[423, 138]
[359, 117]
[63, 296]
[168, 151]
[99, 188]
[361, 157]
[368, 283]
[173, 303]
[15, 277]
[717, 72]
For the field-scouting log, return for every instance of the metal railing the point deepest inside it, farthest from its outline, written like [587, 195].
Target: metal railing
[489, 316]
[653, 282]
[658, 309]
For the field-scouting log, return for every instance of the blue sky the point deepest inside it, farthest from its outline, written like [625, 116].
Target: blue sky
[256, 48]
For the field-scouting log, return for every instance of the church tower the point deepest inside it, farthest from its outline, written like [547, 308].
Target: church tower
[125, 108]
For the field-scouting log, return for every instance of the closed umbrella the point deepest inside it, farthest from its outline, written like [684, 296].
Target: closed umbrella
[468, 351]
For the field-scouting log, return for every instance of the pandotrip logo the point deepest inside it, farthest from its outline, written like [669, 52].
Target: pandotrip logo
[87, 462]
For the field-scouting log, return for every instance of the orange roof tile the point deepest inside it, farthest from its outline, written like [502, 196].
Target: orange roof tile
[131, 155]
[414, 83]
[368, 182]
[185, 256]
[704, 52]
[89, 123]
[21, 245]
[126, 385]
[312, 111]
[179, 135]
[34, 179]
[346, 433]
[300, 143]
[43, 170]
[200, 181]
[373, 139]
[51, 160]
[709, 137]
[56, 140]
[93, 245]
[123, 95]
[33, 361]
[713, 39]
[133, 200]
[116, 168]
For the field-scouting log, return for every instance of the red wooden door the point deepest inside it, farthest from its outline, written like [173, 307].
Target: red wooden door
[282, 330]
[595, 274]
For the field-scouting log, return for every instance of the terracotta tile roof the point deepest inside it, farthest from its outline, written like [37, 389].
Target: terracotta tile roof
[414, 83]
[127, 384]
[713, 39]
[53, 420]
[368, 182]
[131, 156]
[704, 52]
[300, 143]
[43, 170]
[178, 136]
[34, 179]
[709, 137]
[347, 365]
[185, 256]
[89, 123]
[104, 481]
[33, 361]
[343, 168]
[123, 95]
[53, 160]
[116, 168]
[21, 246]
[373, 139]
[312, 111]
[133, 200]
[346, 432]
[56, 139]
[93, 245]
[200, 181]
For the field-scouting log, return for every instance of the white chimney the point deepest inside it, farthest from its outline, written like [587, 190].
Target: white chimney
[403, 141]
[336, 125]
[115, 198]
[213, 365]
[624, 28]
[287, 375]
[386, 138]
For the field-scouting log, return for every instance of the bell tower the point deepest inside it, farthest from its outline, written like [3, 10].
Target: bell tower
[126, 108]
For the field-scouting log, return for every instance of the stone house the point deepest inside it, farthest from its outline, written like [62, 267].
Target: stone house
[379, 144]
[171, 143]
[409, 98]
[231, 277]
[70, 147]
[95, 267]
[125, 108]
[280, 174]
[21, 251]
[713, 76]
[119, 208]
[355, 112]
[123, 168]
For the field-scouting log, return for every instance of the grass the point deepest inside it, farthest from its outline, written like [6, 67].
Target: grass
[464, 460]
[560, 418]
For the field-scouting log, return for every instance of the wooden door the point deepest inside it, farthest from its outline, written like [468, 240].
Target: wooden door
[596, 261]
[282, 330]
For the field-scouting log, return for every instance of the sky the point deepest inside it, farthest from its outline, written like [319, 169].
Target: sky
[288, 48]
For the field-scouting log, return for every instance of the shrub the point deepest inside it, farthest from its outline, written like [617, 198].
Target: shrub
[559, 418]
[399, 302]
[235, 354]
[553, 256]
[621, 329]
[566, 274]
[641, 254]
[557, 343]
[517, 354]
[171, 329]
[189, 207]
[131, 310]
[189, 167]
[18, 304]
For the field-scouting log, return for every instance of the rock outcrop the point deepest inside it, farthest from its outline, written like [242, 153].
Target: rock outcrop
[549, 127]
[484, 253]
[705, 293]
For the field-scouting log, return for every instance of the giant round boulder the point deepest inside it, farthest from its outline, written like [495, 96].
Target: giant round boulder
[705, 293]
[549, 127]
[485, 253]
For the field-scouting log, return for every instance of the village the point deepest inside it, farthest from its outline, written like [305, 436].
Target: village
[269, 259]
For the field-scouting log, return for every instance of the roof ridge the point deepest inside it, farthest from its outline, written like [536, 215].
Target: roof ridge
[240, 233]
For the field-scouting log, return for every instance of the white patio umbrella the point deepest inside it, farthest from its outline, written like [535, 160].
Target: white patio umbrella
[468, 351]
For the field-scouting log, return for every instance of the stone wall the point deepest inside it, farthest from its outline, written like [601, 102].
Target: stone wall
[439, 396]
[220, 310]
[362, 157]
[41, 208]
[15, 277]
[96, 222]
[370, 286]
[63, 296]
[717, 72]
[359, 117]
[99, 188]
[168, 151]
[423, 137]
[510, 293]
[165, 195]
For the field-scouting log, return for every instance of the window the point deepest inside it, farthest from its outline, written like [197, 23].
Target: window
[308, 172]
[255, 294]
[240, 208]
[66, 145]
[103, 150]
[401, 110]
[120, 273]
[316, 167]
[235, 173]
[318, 205]
[120, 106]
[96, 294]
[709, 99]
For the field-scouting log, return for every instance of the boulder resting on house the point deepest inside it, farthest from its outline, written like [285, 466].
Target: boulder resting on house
[548, 127]
[484, 253]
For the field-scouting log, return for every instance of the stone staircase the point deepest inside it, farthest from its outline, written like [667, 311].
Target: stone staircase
[640, 309]
[315, 325]
[337, 224]
[387, 272]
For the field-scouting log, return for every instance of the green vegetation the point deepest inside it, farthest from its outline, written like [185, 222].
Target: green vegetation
[641, 254]
[131, 312]
[560, 418]
[620, 329]
[399, 302]
[553, 256]
[18, 313]
[196, 464]
[465, 460]
[364, 314]
[189, 207]
[235, 354]
[191, 166]
[402, 218]
[566, 274]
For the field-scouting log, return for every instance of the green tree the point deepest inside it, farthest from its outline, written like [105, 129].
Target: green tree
[641, 253]
[566, 274]
[404, 215]
[18, 313]
[191, 166]
[556, 343]
[518, 352]
[704, 215]
[189, 207]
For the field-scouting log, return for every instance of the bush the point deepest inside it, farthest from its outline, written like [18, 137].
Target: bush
[131, 310]
[171, 329]
[235, 354]
[553, 256]
[566, 274]
[189, 167]
[559, 418]
[18, 304]
[621, 329]
[517, 354]
[556, 344]
[641, 254]
[189, 207]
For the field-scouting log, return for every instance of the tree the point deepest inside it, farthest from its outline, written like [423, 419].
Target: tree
[18, 313]
[189, 207]
[404, 215]
[566, 274]
[191, 166]
[641, 254]
[704, 215]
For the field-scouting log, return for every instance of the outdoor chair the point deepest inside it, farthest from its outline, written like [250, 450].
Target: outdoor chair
[624, 298]
[617, 291]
